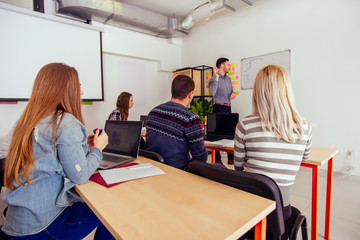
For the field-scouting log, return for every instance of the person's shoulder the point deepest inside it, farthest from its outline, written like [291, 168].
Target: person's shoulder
[158, 107]
[65, 118]
[212, 78]
[307, 125]
[115, 115]
[69, 121]
[114, 112]
[169, 107]
[190, 116]
[71, 127]
[191, 113]
[250, 119]
[68, 117]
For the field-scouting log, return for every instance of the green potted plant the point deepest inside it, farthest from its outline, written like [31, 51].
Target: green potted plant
[201, 107]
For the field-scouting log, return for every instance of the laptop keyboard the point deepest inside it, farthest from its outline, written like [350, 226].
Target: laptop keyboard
[115, 159]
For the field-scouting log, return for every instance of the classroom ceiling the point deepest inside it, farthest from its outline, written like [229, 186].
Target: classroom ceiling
[160, 18]
[179, 8]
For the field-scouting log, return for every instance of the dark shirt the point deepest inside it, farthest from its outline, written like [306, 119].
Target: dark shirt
[172, 130]
[115, 115]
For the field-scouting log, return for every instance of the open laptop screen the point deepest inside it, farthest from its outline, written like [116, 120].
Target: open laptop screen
[222, 123]
[124, 137]
[143, 118]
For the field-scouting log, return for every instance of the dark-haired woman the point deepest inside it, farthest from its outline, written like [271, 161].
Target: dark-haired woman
[124, 102]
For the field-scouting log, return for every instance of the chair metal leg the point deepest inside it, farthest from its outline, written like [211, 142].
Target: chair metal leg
[304, 230]
[299, 222]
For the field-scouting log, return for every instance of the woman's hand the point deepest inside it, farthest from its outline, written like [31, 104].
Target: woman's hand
[99, 141]
[90, 141]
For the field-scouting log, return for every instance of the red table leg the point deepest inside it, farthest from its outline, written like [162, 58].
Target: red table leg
[260, 230]
[328, 198]
[213, 155]
[315, 200]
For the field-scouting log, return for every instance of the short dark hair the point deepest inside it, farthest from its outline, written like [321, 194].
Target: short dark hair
[221, 61]
[181, 86]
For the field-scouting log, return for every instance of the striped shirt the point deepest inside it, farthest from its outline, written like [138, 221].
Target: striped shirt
[259, 151]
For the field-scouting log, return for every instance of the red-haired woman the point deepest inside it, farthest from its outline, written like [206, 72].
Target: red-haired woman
[49, 154]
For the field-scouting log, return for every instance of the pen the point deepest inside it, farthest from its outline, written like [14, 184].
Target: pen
[140, 167]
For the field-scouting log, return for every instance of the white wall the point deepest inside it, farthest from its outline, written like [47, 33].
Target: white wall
[125, 47]
[156, 85]
[323, 36]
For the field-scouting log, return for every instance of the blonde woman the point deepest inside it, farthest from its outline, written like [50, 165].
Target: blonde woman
[49, 154]
[275, 139]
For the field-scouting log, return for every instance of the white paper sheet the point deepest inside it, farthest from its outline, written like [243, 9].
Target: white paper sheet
[116, 175]
[222, 143]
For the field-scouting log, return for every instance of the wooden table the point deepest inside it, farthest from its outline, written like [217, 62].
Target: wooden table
[318, 157]
[177, 205]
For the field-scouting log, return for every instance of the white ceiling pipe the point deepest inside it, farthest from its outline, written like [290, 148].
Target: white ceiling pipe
[203, 13]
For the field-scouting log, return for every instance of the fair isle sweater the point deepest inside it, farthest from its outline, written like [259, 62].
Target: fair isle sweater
[259, 151]
[173, 131]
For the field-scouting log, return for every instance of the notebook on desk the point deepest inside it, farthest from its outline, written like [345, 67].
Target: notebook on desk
[124, 142]
[221, 126]
[222, 143]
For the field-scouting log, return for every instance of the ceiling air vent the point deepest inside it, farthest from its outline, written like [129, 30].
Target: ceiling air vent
[118, 14]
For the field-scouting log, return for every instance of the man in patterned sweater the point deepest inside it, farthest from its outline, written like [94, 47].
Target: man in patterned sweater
[173, 131]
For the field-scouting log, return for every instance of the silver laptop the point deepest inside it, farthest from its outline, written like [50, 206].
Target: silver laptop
[124, 142]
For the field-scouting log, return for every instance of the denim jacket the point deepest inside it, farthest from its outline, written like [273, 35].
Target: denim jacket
[55, 172]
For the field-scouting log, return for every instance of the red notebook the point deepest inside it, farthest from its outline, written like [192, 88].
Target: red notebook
[96, 177]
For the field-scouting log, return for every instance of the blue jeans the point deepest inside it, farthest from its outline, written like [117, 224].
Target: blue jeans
[75, 222]
[222, 109]
[217, 165]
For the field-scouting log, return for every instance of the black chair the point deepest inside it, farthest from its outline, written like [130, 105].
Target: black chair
[2, 162]
[260, 185]
[152, 155]
[2, 234]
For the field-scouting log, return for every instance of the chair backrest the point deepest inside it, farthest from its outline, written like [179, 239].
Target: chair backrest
[257, 184]
[2, 162]
[152, 155]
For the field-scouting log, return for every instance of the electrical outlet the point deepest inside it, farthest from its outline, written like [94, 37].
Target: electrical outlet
[349, 153]
[355, 153]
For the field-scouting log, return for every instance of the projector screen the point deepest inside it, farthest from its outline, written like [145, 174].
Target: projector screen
[28, 42]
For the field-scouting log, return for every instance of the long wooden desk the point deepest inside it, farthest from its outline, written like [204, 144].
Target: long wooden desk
[318, 157]
[177, 205]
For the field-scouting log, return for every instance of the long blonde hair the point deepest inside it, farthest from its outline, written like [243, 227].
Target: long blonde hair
[273, 101]
[56, 90]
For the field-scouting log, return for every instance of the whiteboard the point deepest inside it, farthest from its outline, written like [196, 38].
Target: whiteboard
[251, 66]
[29, 42]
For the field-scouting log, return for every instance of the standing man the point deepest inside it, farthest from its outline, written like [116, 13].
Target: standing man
[220, 87]
[173, 131]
